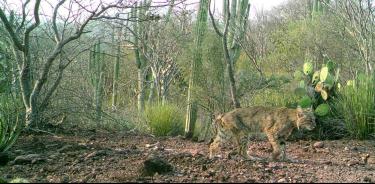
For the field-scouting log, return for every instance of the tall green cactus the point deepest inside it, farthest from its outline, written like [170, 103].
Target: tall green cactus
[195, 68]
[138, 27]
[238, 27]
[236, 16]
[97, 78]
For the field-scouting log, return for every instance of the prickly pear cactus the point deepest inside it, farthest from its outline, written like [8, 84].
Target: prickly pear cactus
[322, 82]
[308, 68]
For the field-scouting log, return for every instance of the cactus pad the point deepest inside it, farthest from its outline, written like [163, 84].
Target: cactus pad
[305, 102]
[324, 72]
[324, 94]
[319, 87]
[322, 110]
[308, 68]
[315, 77]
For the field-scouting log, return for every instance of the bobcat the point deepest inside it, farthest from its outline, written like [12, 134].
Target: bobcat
[276, 123]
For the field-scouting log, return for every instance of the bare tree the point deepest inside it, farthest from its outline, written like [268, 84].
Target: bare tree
[358, 17]
[65, 15]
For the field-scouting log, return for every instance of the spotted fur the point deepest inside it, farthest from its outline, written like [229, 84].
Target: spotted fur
[276, 123]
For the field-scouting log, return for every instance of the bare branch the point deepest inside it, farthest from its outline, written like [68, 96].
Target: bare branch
[23, 16]
[57, 35]
[8, 27]
[213, 21]
[36, 23]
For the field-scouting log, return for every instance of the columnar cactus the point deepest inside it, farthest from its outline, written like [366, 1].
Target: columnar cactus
[97, 77]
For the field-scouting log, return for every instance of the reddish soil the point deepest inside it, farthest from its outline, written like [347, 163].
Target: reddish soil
[118, 157]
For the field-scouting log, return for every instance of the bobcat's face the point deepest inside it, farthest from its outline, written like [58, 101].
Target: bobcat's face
[305, 119]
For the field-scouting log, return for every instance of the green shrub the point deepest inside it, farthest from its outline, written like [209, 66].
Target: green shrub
[273, 97]
[164, 120]
[11, 121]
[356, 105]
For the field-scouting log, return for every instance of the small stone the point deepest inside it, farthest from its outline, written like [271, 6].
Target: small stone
[327, 162]
[204, 168]
[371, 160]
[65, 148]
[305, 149]
[319, 144]
[96, 154]
[211, 173]
[367, 179]
[27, 159]
[282, 180]
[365, 158]
[346, 148]
[154, 164]
[353, 162]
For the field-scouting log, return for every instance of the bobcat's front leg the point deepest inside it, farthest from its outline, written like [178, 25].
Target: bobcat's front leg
[277, 151]
[242, 143]
[282, 149]
[214, 146]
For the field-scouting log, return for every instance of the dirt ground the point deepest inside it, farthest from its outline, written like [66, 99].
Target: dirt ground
[119, 157]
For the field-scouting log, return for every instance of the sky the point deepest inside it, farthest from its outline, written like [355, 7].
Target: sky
[256, 5]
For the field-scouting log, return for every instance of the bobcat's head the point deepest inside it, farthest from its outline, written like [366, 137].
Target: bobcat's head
[305, 118]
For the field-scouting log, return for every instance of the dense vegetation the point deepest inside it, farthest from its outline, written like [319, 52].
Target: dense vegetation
[162, 68]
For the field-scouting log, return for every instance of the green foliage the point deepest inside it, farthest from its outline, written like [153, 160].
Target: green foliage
[322, 109]
[308, 68]
[19, 180]
[305, 102]
[164, 119]
[319, 86]
[273, 97]
[11, 121]
[356, 105]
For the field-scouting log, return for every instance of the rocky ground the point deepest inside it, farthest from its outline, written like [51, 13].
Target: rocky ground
[122, 157]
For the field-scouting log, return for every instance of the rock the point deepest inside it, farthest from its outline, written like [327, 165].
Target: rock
[64, 179]
[326, 162]
[365, 158]
[4, 158]
[133, 147]
[353, 162]
[319, 144]
[204, 168]
[154, 164]
[282, 180]
[28, 159]
[94, 155]
[346, 148]
[367, 179]
[65, 148]
[305, 149]
[211, 173]
[371, 160]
